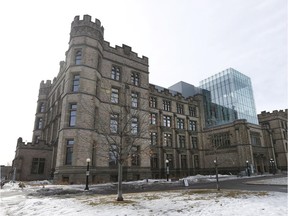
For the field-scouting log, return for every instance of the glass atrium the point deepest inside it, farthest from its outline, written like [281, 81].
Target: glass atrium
[231, 92]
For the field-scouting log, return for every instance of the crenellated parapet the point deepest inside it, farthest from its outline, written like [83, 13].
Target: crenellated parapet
[29, 145]
[86, 27]
[275, 113]
[125, 51]
[45, 87]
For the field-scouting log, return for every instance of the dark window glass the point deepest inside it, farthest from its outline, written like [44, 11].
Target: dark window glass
[180, 108]
[76, 83]
[72, 115]
[135, 78]
[134, 125]
[38, 165]
[69, 151]
[114, 123]
[113, 155]
[181, 141]
[135, 156]
[78, 57]
[168, 139]
[115, 95]
[166, 121]
[153, 102]
[115, 73]
[153, 118]
[134, 99]
[166, 105]
[153, 138]
[180, 123]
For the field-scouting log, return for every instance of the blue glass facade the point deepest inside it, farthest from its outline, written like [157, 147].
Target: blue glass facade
[231, 96]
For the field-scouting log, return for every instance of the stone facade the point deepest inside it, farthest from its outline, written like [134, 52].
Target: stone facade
[274, 127]
[95, 86]
[32, 161]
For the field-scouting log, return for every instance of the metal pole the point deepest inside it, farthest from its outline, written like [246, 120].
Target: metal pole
[87, 174]
[247, 167]
[217, 179]
[167, 169]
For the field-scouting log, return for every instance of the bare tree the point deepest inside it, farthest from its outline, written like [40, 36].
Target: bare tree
[121, 125]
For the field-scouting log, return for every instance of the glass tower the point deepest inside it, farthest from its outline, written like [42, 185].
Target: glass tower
[232, 92]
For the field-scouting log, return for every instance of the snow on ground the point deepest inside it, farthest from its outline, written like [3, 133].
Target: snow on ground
[14, 201]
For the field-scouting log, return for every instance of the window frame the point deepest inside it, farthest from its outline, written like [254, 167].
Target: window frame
[76, 83]
[114, 95]
[72, 114]
[78, 57]
[115, 73]
[69, 151]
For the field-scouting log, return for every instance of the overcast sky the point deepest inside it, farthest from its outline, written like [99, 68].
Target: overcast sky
[186, 40]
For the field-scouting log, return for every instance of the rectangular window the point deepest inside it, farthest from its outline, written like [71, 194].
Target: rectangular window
[72, 115]
[78, 57]
[192, 111]
[153, 138]
[69, 151]
[37, 138]
[113, 155]
[180, 123]
[222, 140]
[114, 123]
[180, 108]
[154, 161]
[181, 141]
[196, 161]
[194, 141]
[41, 108]
[135, 156]
[134, 99]
[39, 123]
[183, 161]
[166, 121]
[115, 73]
[153, 102]
[255, 139]
[135, 78]
[134, 125]
[76, 83]
[168, 139]
[166, 105]
[38, 165]
[114, 95]
[192, 125]
[153, 118]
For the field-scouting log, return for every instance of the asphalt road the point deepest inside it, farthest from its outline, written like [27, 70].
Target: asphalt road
[243, 184]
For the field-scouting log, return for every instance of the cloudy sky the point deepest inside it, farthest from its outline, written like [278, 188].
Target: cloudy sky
[186, 40]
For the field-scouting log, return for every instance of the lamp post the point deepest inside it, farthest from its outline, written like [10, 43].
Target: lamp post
[167, 169]
[217, 180]
[87, 173]
[247, 167]
[272, 162]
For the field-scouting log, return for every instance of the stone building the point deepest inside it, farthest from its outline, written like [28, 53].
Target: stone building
[274, 127]
[32, 161]
[102, 97]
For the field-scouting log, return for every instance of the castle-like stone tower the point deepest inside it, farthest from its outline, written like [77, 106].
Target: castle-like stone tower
[69, 109]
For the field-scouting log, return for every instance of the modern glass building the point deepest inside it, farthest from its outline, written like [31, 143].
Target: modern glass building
[232, 92]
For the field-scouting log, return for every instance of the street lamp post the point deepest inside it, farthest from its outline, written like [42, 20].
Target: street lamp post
[167, 169]
[272, 162]
[87, 173]
[217, 179]
[247, 167]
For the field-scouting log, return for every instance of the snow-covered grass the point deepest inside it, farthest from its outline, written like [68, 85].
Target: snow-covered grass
[15, 201]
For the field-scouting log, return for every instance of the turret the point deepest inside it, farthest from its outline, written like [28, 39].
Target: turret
[87, 28]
